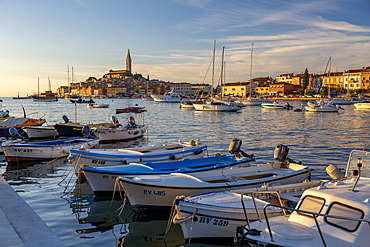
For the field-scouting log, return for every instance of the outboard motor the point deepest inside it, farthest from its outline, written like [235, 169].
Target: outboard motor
[14, 133]
[115, 120]
[281, 153]
[86, 131]
[131, 121]
[66, 119]
[235, 145]
[234, 148]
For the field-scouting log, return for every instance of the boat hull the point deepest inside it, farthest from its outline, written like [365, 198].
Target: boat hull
[102, 179]
[40, 132]
[363, 106]
[19, 152]
[108, 135]
[218, 108]
[155, 153]
[146, 192]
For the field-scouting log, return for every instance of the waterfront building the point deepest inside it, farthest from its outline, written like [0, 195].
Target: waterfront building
[282, 88]
[333, 80]
[183, 88]
[238, 89]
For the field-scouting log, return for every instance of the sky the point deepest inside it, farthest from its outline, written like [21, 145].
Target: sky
[173, 40]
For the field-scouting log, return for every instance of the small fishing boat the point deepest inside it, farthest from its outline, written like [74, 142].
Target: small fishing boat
[102, 179]
[364, 105]
[322, 106]
[133, 109]
[159, 191]
[218, 214]
[80, 100]
[41, 132]
[276, 105]
[154, 153]
[91, 105]
[334, 214]
[18, 123]
[46, 150]
[118, 132]
[68, 128]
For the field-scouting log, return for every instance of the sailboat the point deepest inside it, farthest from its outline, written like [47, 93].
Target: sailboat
[214, 104]
[48, 96]
[335, 101]
[252, 101]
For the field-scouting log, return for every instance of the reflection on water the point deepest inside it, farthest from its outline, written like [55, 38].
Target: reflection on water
[80, 219]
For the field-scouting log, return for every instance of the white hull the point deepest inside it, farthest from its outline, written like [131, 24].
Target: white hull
[97, 105]
[167, 98]
[321, 109]
[252, 102]
[39, 132]
[160, 191]
[218, 214]
[211, 107]
[28, 152]
[362, 106]
[121, 133]
[155, 153]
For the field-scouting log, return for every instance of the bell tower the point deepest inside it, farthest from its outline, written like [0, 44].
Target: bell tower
[128, 61]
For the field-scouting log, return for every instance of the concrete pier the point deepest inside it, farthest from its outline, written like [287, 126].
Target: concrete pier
[20, 226]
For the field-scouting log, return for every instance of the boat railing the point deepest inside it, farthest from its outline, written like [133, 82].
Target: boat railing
[314, 216]
[360, 161]
[252, 195]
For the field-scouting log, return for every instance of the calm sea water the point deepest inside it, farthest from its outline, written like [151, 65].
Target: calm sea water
[79, 219]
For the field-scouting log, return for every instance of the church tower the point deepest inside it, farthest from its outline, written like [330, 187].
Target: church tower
[128, 61]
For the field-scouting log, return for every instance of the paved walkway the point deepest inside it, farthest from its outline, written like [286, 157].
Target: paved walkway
[20, 226]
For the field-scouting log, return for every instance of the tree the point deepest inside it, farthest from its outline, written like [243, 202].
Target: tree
[91, 79]
[305, 80]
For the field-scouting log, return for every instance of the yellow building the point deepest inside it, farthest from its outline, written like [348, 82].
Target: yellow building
[240, 89]
[333, 80]
[113, 91]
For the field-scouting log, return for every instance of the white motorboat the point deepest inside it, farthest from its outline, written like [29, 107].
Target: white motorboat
[364, 105]
[170, 97]
[322, 106]
[218, 214]
[40, 132]
[276, 105]
[217, 105]
[334, 214]
[102, 179]
[156, 191]
[251, 101]
[118, 132]
[94, 105]
[155, 153]
[33, 151]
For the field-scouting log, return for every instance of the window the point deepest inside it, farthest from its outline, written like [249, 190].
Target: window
[340, 209]
[311, 204]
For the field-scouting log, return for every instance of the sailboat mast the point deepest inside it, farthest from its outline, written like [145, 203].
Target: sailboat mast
[38, 86]
[250, 73]
[222, 67]
[49, 84]
[213, 64]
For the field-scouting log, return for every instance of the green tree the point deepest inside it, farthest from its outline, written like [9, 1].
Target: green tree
[91, 79]
[305, 80]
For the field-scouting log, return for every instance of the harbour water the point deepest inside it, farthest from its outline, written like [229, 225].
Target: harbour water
[80, 219]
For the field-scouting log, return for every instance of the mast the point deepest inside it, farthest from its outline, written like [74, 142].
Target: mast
[213, 65]
[222, 67]
[38, 87]
[328, 67]
[250, 73]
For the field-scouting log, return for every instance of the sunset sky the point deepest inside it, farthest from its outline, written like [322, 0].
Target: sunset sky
[172, 40]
